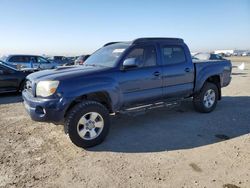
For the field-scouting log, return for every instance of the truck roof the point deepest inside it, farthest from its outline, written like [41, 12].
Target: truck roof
[140, 40]
[150, 39]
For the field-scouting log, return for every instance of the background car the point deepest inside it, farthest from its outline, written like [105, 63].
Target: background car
[28, 61]
[207, 56]
[246, 54]
[81, 59]
[60, 60]
[11, 79]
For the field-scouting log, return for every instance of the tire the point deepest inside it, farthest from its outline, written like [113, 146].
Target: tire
[201, 100]
[21, 87]
[94, 120]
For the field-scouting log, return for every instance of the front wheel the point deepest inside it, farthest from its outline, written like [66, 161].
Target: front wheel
[88, 124]
[21, 87]
[206, 100]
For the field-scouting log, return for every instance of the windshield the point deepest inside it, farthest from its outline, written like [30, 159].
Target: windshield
[107, 56]
[3, 58]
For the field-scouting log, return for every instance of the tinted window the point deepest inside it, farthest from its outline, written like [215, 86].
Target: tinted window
[215, 57]
[58, 58]
[14, 59]
[26, 59]
[19, 59]
[146, 56]
[173, 55]
[33, 59]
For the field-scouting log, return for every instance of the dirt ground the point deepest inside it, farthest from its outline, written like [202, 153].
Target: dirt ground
[163, 148]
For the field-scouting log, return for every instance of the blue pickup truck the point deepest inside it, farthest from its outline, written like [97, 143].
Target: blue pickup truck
[123, 77]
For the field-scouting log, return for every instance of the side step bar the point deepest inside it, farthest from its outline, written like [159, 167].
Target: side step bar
[143, 109]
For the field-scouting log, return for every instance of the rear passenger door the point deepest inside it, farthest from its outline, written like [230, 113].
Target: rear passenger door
[178, 72]
[142, 84]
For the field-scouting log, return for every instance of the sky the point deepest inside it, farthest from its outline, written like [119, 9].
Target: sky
[75, 27]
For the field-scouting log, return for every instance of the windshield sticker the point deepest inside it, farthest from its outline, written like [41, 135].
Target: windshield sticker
[118, 50]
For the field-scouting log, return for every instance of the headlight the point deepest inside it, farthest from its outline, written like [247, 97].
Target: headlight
[46, 88]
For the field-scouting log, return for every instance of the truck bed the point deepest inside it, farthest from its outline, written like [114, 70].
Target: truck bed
[222, 68]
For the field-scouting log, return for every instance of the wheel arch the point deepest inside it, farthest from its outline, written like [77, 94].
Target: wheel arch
[102, 97]
[215, 79]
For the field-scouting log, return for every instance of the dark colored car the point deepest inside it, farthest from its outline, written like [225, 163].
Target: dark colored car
[60, 60]
[81, 59]
[71, 61]
[11, 79]
[123, 77]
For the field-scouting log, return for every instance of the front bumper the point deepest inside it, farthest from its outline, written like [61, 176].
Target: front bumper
[44, 110]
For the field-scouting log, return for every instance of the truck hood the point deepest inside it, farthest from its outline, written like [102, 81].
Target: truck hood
[63, 73]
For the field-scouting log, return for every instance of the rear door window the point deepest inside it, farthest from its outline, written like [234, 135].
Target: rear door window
[20, 59]
[33, 59]
[15, 59]
[173, 55]
[26, 59]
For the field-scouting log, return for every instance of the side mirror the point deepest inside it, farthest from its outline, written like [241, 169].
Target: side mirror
[130, 63]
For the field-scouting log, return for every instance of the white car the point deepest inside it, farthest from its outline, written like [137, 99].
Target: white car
[245, 54]
[207, 56]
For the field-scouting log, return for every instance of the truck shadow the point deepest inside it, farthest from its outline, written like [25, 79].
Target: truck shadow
[180, 128]
[8, 98]
[238, 74]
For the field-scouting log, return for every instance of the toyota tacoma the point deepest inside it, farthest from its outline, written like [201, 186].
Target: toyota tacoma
[123, 77]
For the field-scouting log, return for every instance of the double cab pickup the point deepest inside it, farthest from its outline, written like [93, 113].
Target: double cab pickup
[122, 77]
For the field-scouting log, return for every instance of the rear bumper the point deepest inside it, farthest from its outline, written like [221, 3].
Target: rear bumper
[44, 110]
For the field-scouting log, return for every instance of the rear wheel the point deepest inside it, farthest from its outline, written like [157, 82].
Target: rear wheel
[206, 100]
[88, 124]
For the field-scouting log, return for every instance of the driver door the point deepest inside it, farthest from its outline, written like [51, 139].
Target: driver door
[141, 84]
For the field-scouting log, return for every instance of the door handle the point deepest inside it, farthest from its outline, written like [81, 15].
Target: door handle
[157, 73]
[187, 69]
